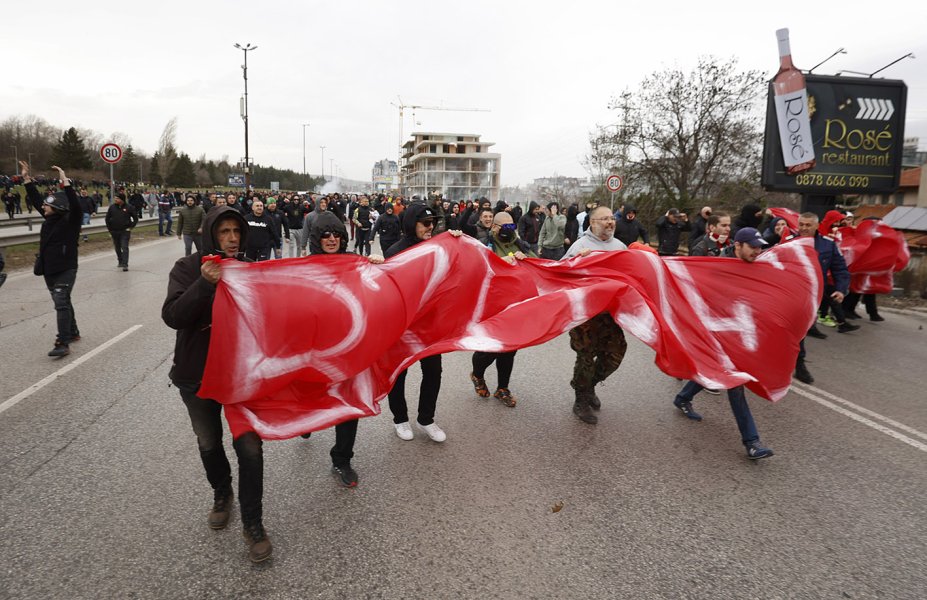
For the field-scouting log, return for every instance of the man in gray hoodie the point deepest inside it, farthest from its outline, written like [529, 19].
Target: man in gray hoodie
[550, 240]
[599, 343]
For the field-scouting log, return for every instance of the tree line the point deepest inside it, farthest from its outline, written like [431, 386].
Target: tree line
[36, 141]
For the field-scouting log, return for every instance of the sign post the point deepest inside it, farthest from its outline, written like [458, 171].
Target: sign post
[111, 153]
[613, 184]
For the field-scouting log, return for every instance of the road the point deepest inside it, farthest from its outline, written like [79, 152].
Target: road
[102, 493]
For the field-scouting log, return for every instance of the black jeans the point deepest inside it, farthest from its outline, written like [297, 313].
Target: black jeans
[505, 361]
[60, 285]
[361, 239]
[343, 450]
[869, 301]
[121, 243]
[829, 303]
[206, 418]
[427, 396]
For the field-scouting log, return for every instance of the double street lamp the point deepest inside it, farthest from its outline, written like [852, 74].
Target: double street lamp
[244, 112]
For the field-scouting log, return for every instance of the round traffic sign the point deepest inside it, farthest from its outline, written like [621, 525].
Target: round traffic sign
[613, 183]
[111, 153]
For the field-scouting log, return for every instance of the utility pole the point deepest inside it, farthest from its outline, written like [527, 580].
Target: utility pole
[305, 176]
[16, 158]
[323, 163]
[244, 112]
[331, 168]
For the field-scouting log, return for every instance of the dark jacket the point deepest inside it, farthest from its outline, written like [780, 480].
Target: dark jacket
[326, 221]
[188, 306]
[87, 205]
[571, 229]
[832, 261]
[628, 230]
[190, 219]
[281, 226]
[529, 225]
[668, 235]
[294, 214]
[60, 231]
[362, 216]
[120, 218]
[709, 247]
[699, 228]
[389, 228]
[261, 234]
[409, 219]
[748, 218]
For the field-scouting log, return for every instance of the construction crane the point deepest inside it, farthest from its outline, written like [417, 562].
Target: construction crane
[415, 107]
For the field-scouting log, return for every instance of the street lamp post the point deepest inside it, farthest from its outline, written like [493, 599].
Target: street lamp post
[331, 168]
[244, 112]
[305, 176]
[323, 162]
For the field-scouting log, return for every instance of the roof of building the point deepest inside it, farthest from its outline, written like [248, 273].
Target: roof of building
[910, 218]
[910, 177]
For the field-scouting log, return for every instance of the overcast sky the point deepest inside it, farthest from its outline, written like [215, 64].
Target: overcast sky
[545, 70]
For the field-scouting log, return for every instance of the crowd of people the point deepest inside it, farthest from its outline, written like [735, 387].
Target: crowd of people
[257, 227]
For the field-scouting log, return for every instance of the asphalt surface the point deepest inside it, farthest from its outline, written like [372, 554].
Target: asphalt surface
[102, 494]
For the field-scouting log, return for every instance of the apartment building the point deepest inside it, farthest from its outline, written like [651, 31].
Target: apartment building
[457, 165]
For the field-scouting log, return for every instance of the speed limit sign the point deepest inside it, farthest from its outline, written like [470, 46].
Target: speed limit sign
[613, 183]
[111, 153]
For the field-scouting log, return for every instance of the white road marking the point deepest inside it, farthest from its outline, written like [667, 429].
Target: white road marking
[36, 387]
[95, 256]
[801, 391]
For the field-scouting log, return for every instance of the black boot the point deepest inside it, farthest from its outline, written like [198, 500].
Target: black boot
[582, 408]
[802, 374]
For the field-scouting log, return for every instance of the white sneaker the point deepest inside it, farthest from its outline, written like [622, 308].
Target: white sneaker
[434, 432]
[404, 431]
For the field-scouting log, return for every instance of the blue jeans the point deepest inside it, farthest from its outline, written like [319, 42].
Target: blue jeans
[739, 407]
[162, 217]
[206, 418]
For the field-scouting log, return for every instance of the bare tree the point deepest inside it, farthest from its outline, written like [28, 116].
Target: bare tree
[683, 137]
[167, 149]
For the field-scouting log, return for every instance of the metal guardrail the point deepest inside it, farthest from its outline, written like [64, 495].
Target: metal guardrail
[32, 237]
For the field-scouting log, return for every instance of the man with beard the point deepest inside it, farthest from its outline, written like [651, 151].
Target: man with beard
[504, 243]
[748, 244]
[261, 235]
[188, 309]
[599, 343]
[388, 226]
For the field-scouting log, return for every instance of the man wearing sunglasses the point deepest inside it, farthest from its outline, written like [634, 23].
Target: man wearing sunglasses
[599, 343]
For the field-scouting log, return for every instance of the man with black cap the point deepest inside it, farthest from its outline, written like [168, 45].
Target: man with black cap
[120, 219]
[748, 243]
[188, 309]
[418, 222]
[57, 257]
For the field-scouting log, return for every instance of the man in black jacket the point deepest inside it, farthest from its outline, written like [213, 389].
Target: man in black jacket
[188, 309]
[281, 227]
[388, 227]
[120, 220]
[57, 257]
[669, 228]
[628, 229]
[529, 225]
[261, 234]
[418, 221]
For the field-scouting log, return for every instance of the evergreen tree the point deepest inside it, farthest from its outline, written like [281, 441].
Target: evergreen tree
[70, 153]
[154, 170]
[183, 174]
[127, 168]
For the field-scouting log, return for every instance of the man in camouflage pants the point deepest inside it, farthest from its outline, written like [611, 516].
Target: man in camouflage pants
[599, 343]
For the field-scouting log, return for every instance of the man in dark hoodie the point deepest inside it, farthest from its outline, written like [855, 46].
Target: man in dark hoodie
[752, 215]
[329, 236]
[388, 226]
[360, 218]
[669, 228]
[262, 237]
[188, 309]
[120, 220]
[57, 257]
[628, 229]
[529, 225]
[418, 222]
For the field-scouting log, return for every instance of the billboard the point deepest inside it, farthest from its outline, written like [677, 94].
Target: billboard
[236, 180]
[857, 127]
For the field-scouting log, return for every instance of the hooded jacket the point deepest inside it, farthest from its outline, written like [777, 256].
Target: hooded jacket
[60, 231]
[188, 306]
[748, 218]
[326, 221]
[410, 217]
[571, 228]
[529, 225]
[628, 230]
[591, 241]
[389, 228]
[552, 229]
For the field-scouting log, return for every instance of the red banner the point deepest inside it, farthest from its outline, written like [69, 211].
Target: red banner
[873, 251]
[302, 344]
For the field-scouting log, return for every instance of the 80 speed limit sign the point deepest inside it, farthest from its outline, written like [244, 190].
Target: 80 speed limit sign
[613, 183]
[111, 153]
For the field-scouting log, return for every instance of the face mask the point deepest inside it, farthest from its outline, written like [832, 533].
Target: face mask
[506, 235]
